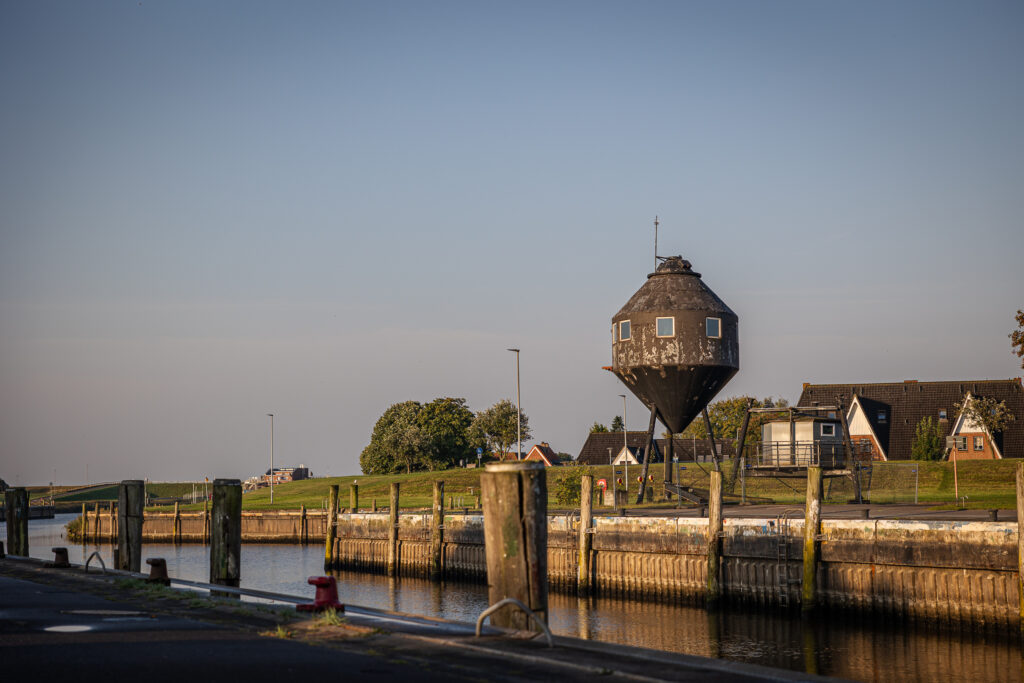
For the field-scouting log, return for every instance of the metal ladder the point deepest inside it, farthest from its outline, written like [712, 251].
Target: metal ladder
[783, 543]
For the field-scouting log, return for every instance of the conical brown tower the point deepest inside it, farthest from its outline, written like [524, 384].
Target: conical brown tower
[675, 343]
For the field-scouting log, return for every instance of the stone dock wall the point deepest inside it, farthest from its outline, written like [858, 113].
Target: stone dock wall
[964, 572]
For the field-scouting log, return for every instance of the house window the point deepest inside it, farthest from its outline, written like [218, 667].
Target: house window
[961, 443]
[666, 327]
[979, 443]
[828, 430]
[942, 414]
[624, 330]
[713, 326]
[881, 416]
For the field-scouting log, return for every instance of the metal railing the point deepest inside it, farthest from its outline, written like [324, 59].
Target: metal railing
[796, 454]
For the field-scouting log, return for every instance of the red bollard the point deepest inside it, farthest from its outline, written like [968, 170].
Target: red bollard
[326, 595]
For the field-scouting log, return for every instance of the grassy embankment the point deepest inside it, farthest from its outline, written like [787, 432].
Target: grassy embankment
[986, 484]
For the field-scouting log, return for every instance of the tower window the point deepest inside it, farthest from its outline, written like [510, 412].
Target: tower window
[713, 327]
[666, 327]
[624, 330]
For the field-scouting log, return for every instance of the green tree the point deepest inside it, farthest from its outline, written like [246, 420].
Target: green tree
[993, 414]
[617, 424]
[598, 428]
[727, 418]
[497, 426]
[397, 441]
[445, 426]
[929, 441]
[567, 488]
[1017, 337]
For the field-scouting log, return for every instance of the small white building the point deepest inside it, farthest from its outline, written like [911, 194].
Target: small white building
[801, 442]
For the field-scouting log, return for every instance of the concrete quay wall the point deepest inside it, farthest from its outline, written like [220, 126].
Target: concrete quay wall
[935, 570]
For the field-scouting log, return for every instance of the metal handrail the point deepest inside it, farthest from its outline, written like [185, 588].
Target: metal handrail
[99, 557]
[518, 603]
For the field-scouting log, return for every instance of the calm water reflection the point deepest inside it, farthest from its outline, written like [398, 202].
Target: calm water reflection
[837, 645]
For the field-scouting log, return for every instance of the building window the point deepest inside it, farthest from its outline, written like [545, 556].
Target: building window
[828, 430]
[942, 414]
[624, 330]
[979, 443]
[713, 326]
[961, 443]
[881, 416]
[666, 327]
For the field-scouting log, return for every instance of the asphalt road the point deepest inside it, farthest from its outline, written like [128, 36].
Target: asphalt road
[63, 625]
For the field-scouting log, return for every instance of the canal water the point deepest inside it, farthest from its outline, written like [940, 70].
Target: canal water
[863, 649]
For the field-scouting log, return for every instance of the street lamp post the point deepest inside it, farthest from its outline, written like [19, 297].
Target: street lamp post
[625, 443]
[519, 411]
[271, 416]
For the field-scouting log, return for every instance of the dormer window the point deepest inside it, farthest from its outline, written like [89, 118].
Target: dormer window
[624, 334]
[942, 414]
[666, 327]
[881, 415]
[713, 327]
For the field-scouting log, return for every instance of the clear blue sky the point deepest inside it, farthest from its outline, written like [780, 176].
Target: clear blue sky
[211, 211]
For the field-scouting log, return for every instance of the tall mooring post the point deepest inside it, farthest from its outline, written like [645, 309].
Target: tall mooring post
[1020, 543]
[353, 497]
[586, 533]
[226, 533]
[131, 497]
[16, 516]
[332, 526]
[812, 527]
[177, 524]
[714, 586]
[515, 502]
[393, 531]
[437, 534]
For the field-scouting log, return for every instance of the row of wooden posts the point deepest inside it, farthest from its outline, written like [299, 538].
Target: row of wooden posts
[514, 497]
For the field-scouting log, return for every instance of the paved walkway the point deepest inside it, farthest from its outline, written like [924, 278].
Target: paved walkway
[64, 625]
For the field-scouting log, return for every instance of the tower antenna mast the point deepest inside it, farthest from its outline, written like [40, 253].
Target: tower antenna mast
[655, 242]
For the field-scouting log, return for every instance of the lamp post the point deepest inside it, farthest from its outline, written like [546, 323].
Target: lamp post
[271, 416]
[519, 410]
[625, 443]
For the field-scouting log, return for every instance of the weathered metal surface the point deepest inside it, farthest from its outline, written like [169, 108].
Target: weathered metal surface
[679, 374]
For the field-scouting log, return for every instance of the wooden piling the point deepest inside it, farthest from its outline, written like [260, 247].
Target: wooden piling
[586, 535]
[85, 524]
[303, 525]
[206, 521]
[226, 533]
[176, 528]
[353, 497]
[516, 538]
[437, 534]
[96, 524]
[393, 531]
[111, 517]
[714, 583]
[332, 526]
[16, 516]
[373, 505]
[812, 527]
[1020, 544]
[131, 495]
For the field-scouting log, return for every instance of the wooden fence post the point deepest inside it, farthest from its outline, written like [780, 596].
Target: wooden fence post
[586, 535]
[130, 499]
[437, 534]
[714, 584]
[16, 516]
[812, 527]
[515, 500]
[226, 534]
[1020, 543]
[393, 531]
[176, 533]
[332, 526]
[353, 497]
